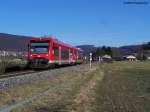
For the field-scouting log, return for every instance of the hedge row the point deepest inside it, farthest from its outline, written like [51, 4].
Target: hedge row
[6, 63]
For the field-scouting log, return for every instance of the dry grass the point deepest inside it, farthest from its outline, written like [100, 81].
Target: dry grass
[125, 88]
[18, 93]
[62, 98]
[85, 97]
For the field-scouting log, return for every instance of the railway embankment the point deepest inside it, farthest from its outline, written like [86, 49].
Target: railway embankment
[37, 75]
[53, 85]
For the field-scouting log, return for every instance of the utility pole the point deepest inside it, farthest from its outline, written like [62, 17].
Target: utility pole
[99, 59]
[90, 60]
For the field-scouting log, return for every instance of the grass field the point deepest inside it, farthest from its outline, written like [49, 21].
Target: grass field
[125, 88]
[108, 87]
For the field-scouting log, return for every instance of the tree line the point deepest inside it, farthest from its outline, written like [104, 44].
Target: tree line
[142, 52]
[100, 51]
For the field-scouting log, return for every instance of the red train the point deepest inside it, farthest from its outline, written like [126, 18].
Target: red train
[48, 52]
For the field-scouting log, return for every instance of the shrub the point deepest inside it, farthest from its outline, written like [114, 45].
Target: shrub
[7, 63]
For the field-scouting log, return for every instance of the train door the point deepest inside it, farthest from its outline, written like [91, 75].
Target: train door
[55, 52]
[60, 61]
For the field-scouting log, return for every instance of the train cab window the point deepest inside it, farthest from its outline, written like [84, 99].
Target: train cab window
[39, 46]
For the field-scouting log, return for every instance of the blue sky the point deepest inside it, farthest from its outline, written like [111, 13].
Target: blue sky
[97, 22]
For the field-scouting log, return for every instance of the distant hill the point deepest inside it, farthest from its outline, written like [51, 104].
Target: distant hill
[124, 50]
[13, 42]
[129, 49]
[87, 49]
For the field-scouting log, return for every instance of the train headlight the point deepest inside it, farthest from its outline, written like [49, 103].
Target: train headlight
[31, 55]
[47, 55]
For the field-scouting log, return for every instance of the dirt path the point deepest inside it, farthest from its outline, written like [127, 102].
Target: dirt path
[85, 97]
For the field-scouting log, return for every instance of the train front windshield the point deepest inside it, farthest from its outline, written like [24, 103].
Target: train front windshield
[39, 46]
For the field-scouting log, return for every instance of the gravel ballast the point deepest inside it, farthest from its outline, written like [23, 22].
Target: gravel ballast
[25, 79]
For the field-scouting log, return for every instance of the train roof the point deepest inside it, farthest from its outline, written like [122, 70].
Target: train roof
[41, 38]
[57, 41]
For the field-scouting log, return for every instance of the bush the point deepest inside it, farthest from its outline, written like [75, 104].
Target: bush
[7, 63]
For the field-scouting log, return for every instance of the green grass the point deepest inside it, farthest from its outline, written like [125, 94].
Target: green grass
[125, 88]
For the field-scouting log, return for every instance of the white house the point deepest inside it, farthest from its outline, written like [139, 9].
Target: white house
[131, 58]
[148, 58]
[106, 57]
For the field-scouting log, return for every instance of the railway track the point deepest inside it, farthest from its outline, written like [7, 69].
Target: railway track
[24, 72]
[19, 73]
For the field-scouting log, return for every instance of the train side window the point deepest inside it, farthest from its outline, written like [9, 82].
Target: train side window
[65, 54]
[55, 49]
